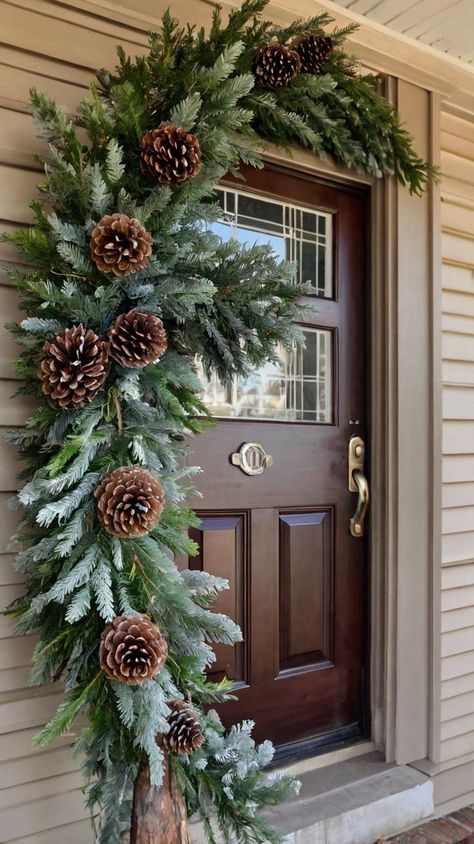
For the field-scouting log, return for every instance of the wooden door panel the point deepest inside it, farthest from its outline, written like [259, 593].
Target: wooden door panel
[306, 589]
[222, 539]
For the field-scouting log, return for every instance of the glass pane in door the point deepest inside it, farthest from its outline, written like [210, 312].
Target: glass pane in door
[298, 386]
[297, 234]
[295, 388]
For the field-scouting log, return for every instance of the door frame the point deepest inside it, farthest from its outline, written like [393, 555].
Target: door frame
[405, 448]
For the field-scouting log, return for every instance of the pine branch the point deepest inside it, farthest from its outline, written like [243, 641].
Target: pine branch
[114, 163]
[66, 714]
[186, 112]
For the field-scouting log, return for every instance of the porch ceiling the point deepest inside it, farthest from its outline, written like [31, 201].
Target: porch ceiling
[445, 25]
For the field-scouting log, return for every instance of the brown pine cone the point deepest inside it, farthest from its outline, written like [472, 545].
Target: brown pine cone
[137, 339]
[132, 650]
[276, 65]
[120, 245]
[130, 501]
[170, 154]
[74, 368]
[313, 52]
[184, 735]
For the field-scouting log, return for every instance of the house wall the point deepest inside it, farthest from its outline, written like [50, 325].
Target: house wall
[457, 599]
[55, 45]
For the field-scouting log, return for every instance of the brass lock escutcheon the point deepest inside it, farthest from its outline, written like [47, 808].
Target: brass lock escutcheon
[251, 458]
[358, 483]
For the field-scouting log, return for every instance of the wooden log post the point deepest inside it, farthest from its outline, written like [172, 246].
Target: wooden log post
[159, 814]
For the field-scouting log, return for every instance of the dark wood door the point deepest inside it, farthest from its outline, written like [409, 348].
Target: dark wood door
[282, 538]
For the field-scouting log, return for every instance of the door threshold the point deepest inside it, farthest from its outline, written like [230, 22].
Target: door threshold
[323, 744]
[330, 757]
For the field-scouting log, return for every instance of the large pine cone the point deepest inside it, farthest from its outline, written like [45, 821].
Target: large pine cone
[170, 154]
[130, 501]
[74, 368]
[276, 65]
[184, 735]
[132, 650]
[137, 339]
[120, 245]
[313, 52]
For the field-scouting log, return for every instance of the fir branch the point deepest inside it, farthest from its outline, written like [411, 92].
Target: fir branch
[72, 531]
[76, 258]
[186, 113]
[125, 703]
[97, 188]
[79, 605]
[66, 714]
[65, 506]
[114, 163]
[101, 582]
[67, 231]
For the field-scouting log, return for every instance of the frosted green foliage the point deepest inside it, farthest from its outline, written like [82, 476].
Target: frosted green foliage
[67, 231]
[37, 325]
[100, 197]
[114, 164]
[61, 509]
[230, 786]
[186, 112]
[80, 605]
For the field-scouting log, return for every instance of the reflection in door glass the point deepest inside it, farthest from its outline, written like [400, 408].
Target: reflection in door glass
[296, 234]
[296, 388]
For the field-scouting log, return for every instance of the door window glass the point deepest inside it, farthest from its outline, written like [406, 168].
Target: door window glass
[295, 388]
[295, 234]
[298, 386]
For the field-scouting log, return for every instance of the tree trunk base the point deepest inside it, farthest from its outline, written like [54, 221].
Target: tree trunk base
[159, 814]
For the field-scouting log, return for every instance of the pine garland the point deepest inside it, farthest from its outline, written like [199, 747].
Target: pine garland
[229, 304]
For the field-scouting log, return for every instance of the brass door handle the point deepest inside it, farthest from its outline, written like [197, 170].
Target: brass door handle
[358, 483]
[357, 521]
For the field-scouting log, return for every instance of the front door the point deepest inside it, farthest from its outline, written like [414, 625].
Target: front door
[298, 578]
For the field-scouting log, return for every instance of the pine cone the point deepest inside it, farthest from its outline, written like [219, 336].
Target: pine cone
[184, 735]
[129, 501]
[276, 65]
[120, 245]
[137, 339]
[313, 52]
[170, 154]
[74, 368]
[132, 650]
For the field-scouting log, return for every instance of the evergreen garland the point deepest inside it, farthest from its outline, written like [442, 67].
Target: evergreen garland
[229, 304]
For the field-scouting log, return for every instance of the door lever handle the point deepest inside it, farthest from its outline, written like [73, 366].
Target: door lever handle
[357, 521]
[358, 483]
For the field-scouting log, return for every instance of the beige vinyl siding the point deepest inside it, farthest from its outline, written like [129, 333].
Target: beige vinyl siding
[457, 626]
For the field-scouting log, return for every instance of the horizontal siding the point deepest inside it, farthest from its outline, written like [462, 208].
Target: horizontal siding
[457, 603]
[79, 832]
